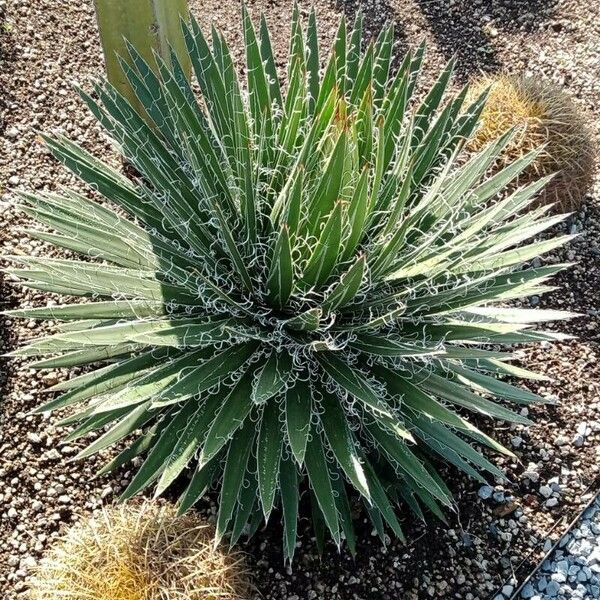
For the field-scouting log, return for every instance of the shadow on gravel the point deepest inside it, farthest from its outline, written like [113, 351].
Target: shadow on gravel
[5, 343]
[468, 29]
[583, 279]
[374, 21]
[7, 55]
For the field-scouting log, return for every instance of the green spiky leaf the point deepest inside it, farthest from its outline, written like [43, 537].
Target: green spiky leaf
[293, 291]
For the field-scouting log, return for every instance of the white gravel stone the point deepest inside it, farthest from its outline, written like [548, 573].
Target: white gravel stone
[570, 573]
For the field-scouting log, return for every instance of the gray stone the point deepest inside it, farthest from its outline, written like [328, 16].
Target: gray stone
[516, 441]
[485, 492]
[552, 589]
[562, 566]
[527, 591]
[581, 576]
[565, 540]
[559, 577]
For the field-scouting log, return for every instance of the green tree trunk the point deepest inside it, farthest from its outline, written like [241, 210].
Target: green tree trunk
[149, 25]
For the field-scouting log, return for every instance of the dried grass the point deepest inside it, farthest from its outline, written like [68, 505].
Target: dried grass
[143, 552]
[545, 114]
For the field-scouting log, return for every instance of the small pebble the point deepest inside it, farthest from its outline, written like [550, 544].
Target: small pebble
[485, 492]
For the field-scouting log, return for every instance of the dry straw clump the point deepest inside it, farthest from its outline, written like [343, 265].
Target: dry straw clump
[544, 114]
[143, 552]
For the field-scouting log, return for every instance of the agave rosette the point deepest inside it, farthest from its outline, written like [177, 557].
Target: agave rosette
[301, 285]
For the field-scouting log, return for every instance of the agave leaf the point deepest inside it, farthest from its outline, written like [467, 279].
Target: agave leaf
[280, 283]
[188, 443]
[104, 379]
[290, 496]
[156, 460]
[247, 506]
[318, 523]
[347, 288]
[312, 61]
[354, 52]
[93, 354]
[198, 486]
[451, 391]
[141, 445]
[133, 420]
[381, 501]
[90, 423]
[358, 213]
[272, 377]
[233, 250]
[344, 512]
[106, 180]
[231, 416]
[487, 384]
[306, 321]
[205, 376]
[166, 386]
[454, 443]
[383, 57]
[352, 382]
[260, 100]
[364, 76]
[329, 83]
[320, 480]
[87, 279]
[324, 256]
[302, 280]
[382, 346]
[426, 110]
[298, 410]
[164, 332]
[342, 442]
[266, 51]
[268, 455]
[497, 366]
[407, 461]
[112, 309]
[143, 147]
[233, 475]
[323, 202]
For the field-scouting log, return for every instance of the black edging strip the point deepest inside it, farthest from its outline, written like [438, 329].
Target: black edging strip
[594, 485]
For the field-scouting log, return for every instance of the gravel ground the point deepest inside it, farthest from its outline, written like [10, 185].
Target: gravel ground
[498, 533]
[573, 569]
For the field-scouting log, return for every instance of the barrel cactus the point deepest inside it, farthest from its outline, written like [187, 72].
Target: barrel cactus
[547, 116]
[300, 291]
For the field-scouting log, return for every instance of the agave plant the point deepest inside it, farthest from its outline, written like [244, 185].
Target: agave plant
[292, 295]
